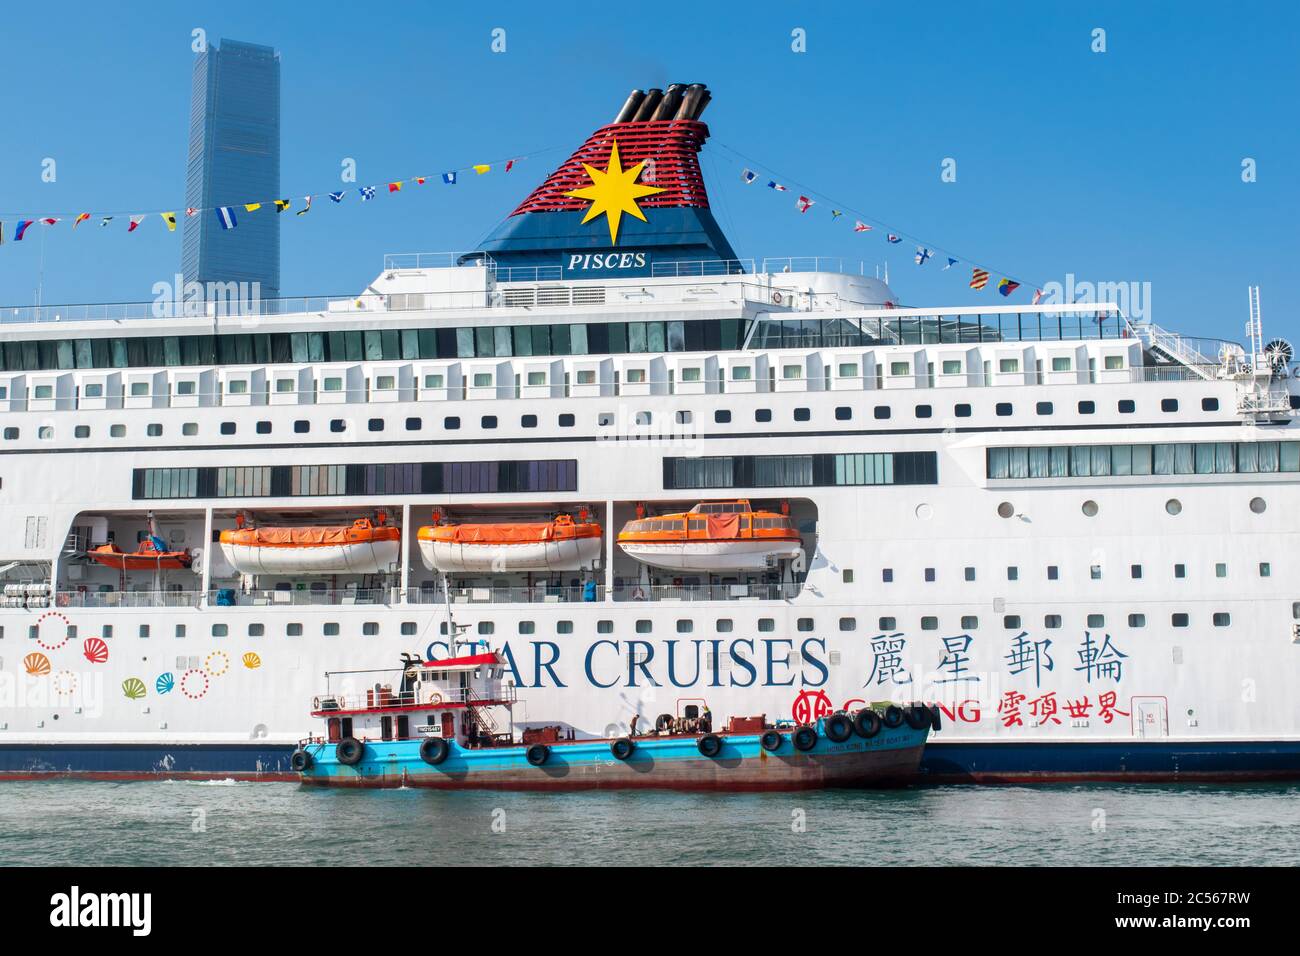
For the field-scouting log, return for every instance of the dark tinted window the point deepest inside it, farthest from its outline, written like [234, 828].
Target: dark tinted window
[302, 426]
[528, 421]
[802, 414]
[414, 424]
[961, 411]
[762, 414]
[566, 420]
[1126, 406]
[336, 425]
[843, 413]
[882, 412]
[1209, 404]
[722, 416]
[924, 411]
[375, 424]
[451, 423]
[227, 428]
[1003, 409]
[489, 421]
[264, 428]
[1087, 408]
[1043, 408]
[1169, 404]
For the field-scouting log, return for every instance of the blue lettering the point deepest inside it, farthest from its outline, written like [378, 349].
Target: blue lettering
[772, 662]
[633, 665]
[672, 664]
[539, 665]
[743, 662]
[815, 661]
[591, 677]
[511, 665]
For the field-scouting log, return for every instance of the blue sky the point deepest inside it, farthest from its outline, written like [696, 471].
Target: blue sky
[1123, 166]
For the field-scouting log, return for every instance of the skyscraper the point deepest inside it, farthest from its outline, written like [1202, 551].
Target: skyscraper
[234, 158]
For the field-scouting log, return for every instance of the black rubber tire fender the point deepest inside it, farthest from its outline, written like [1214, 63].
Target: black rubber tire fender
[837, 727]
[300, 762]
[710, 745]
[537, 754]
[622, 748]
[350, 751]
[893, 717]
[917, 716]
[771, 740]
[804, 738]
[434, 750]
[867, 723]
[936, 719]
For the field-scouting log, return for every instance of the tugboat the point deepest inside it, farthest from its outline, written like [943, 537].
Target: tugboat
[450, 725]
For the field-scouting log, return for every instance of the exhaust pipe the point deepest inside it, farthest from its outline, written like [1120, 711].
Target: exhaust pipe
[649, 105]
[668, 105]
[630, 107]
[690, 107]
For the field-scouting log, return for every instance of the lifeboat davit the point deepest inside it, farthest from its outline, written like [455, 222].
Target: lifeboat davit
[712, 536]
[363, 547]
[558, 545]
[152, 555]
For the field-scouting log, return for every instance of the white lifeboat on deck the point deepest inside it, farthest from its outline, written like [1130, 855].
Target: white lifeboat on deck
[711, 537]
[561, 544]
[363, 547]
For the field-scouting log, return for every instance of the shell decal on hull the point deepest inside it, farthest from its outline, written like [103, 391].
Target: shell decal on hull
[95, 650]
[133, 688]
[36, 664]
[164, 683]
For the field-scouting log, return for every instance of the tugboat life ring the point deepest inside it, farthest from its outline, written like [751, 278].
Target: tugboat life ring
[777, 298]
[435, 698]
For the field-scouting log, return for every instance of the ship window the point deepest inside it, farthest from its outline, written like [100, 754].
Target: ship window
[929, 623]
[1135, 571]
[486, 627]
[220, 630]
[293, 630]
[843, 413]
[804, 624]
[762, 414]
[45, 432]
[848, 624]
[96, 390]
[766, 625]
[337, 425]
[887, 623]
[371, 628]
[1265, 569]
[375, 424]
[142, 388]
[236, 386]
[802, 414]
[408, 628]
[528, 421]
[1209, 404]
[1013, 573]
[563, 627]
[1127, 406]
[691, 374]
[301, 426]
[1179, 619]
[847, 575]
[605, 419]
[331, 629]
[722, 416]
[1087, 407]
[433, 381]
[1258, 505]
[1003, 409]
[685, 626]
[284, 385]
[334, 384]
[256, 630]
[1114, 362]
[414, 424]
[929, 575]
[180, 630]
[451, 423]
[848, 370]
[1094, 572]
[47, 391]
[81, 431]
[962, 410]
[227, 428]
[1096, 620]
[1009, 365]
[969, 622]
[924, 411]
[881, 412]
[792, 371]
[263, 428]
[1222, 619]
[741, 373]
[1061, 363]
[643, 418]
[1169, 404]
[1011, 622]
[527, 627]
[900, 368]
[1043, 408]
[1053, 572]
[604, 627]
[482, 379]
[684, 417]
[1089, 508]
[970, 574]
[952, 367]
[635, 376]
[643, 626]
[488, 421]
[144, 630]
[566, 420]
[724, 625]
[1051, 621]
[12, 433]
[1137, 620]
[1180, 570]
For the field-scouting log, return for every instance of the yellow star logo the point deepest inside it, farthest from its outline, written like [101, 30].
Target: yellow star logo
[614, 192]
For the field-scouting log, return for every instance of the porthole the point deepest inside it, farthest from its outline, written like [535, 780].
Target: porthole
[1006, 509]
[1174, 506]
[924, 512]
[1258, 505]
[1090, 508]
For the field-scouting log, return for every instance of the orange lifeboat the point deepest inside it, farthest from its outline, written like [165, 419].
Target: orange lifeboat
[151, 555]
[561, 544]
[712, 536]
[363, 547]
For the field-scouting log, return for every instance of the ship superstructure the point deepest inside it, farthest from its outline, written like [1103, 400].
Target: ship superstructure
[1077, 533]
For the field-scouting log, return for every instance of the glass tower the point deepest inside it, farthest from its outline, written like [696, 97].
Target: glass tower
[234, 159]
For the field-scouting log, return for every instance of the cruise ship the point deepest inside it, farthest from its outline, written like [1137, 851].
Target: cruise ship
[652, 478]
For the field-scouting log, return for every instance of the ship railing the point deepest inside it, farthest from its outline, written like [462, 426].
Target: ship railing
[693, 268]
[302, 597]
[707, 592]
[470, 594]
[381, 696]
[128, 599]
